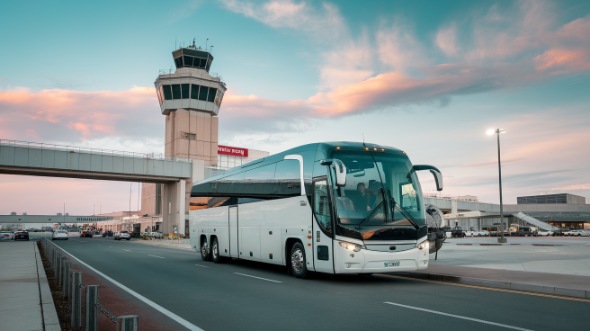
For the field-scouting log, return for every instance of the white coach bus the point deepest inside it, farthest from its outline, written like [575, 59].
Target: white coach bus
[337, 208]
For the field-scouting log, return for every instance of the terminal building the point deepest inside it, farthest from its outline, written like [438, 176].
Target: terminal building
[552, 211]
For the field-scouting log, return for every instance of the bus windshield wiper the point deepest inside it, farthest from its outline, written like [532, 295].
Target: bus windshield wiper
[373, 212]
[404, 213]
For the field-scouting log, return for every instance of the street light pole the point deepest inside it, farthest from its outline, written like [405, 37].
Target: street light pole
[501, 239]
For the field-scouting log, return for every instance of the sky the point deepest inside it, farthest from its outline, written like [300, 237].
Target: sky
[428, 77]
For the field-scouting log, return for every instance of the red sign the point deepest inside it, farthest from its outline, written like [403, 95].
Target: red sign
[233, 151]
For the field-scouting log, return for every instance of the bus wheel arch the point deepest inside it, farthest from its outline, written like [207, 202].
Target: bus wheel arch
[205, 251]
[296, 259]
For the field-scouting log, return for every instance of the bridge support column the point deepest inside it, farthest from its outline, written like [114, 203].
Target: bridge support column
[173, 207]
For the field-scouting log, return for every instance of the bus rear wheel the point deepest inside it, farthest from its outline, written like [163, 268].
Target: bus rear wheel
[215, 251]
[205, 255]
[298, 261]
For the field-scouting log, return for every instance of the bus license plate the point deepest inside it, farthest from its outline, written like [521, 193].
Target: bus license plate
[391, 264]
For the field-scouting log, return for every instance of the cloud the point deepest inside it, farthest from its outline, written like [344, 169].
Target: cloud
[55, 116]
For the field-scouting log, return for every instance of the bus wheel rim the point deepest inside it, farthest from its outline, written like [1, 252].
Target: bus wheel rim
[297, 260]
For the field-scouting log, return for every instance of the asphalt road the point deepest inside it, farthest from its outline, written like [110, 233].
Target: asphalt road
[250, 296]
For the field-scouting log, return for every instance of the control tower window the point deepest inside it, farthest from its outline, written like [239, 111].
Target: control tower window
[194, 91]
[167, 92]
[203, 93]
[212, 93]
[176, 91]
[188, 61]
[185, 91]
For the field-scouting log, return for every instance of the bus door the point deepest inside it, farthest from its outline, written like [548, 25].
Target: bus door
[233, 231]
[322, 227]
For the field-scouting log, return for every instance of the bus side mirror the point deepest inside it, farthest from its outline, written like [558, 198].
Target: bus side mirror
[434, 171]
[339, 170]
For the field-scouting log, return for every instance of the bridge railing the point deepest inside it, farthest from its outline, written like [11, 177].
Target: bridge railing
[83, 149]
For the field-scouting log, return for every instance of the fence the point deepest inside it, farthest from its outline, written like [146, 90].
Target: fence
[70, 283]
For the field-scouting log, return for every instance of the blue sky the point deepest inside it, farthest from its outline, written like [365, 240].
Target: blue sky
[429, 77]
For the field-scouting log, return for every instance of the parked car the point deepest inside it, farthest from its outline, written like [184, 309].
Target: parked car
[470, 233]
[6, 235]
[85, 234]
[21, 235]
[483, 233]
[107, 233]
[122, 235]
[60, 235]
[577, 233]
[545, 233]
[157, 235]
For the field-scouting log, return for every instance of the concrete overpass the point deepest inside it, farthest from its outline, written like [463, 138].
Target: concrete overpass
[37, 159]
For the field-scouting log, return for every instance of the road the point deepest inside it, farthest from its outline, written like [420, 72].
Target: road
[251, 296]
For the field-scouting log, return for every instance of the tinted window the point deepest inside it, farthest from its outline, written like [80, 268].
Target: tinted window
[176, 91]
[185, 91]
[167, 92]
[212, 92]
[203, 93]
[194, 91]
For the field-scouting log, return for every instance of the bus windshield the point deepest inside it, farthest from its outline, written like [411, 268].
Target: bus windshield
[381, 199]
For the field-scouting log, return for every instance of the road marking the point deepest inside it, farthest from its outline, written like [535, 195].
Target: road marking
[202, 266]
[147, 301]
[159, 257]
[266, 279]
[127, 250]
[458, 316]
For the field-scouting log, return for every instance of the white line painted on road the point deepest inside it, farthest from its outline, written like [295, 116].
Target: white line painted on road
[159, 257]
[458, 316]
[127, 250]
[266, 279]
[202, 266]
[147, 301]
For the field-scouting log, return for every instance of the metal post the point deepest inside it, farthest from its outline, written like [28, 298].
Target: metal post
[76, 321]
[66, 280]
[127, 323]
[91, 308]
[501, 239]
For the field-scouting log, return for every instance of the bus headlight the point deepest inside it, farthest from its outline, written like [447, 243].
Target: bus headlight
[423, 245]
[350, 246]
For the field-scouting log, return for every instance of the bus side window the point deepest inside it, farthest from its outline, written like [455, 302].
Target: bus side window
[321, 205]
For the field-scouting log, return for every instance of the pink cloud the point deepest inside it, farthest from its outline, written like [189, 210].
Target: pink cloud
[563, 61]
[57, 115]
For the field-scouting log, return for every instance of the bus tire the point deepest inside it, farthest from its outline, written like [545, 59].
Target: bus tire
[297, 261]
[215, 251]
[205, 253]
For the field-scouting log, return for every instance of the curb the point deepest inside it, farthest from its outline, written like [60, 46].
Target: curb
[48, 311]
[500, 284]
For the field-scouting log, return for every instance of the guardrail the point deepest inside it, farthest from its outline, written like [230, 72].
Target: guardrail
[71, 285]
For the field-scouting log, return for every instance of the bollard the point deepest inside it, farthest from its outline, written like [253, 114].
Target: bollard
[76, 320]
[66, 280]
[127, 323]
[91, 307]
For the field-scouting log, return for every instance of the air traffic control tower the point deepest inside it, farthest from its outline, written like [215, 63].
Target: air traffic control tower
[190, 99]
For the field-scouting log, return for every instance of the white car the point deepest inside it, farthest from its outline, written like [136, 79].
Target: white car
[60, 235]
[577, 233]
[157, 235]
[483, 233]
[470, 233]
[6, 235]
[545, 233]
[122, 235]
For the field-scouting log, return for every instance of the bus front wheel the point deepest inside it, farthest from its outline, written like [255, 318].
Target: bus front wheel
[205, 255]
[298, 262]
[215, 251]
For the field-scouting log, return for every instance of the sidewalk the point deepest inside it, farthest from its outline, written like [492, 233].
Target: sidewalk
[25, 298]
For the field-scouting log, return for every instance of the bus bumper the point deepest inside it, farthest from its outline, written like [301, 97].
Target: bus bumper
[368, 261]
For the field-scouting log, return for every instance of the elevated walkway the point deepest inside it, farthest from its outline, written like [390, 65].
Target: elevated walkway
[36, 159]
[533, 221]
